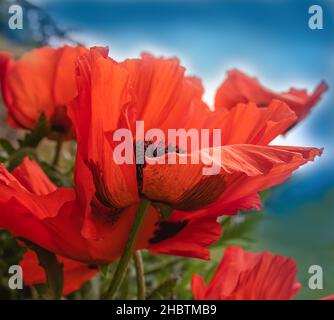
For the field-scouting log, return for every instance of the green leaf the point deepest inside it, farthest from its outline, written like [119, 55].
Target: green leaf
[165, 265]
[53, 269]
[7, 146]
[10, 254]
[239, 228]
[34, 137]
[17, 157]
[165, 290]
[3, 159]
[58, 178]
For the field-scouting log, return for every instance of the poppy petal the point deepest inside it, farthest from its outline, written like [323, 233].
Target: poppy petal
[240, 88]
[198, 287]
[243, 171]
[102, 82]
[32, 177]
[163, 93]
[247, 123]
[39, 217]
[75, 273]
[188, 238]
[244, 275]
[276, 163]
[41, 81]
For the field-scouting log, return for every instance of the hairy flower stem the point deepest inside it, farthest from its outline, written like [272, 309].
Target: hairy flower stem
[141, 289]
[57, 154]
[128, 251]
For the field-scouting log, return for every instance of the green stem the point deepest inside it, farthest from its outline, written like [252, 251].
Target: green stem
[56, 157]
[162, 266]
[141, 289]
[125, 259]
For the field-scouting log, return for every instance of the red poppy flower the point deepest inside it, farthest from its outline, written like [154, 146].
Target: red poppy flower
[240, 88]
[155, 90]
[244, 275]
[75, 273]
[91, 223]
[41, 81]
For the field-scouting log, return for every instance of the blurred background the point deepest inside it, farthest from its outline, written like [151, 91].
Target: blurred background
[267, 39]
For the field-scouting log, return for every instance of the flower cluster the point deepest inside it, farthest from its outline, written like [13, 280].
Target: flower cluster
[113, 208]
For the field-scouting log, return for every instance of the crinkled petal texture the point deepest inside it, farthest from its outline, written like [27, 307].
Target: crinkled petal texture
[227, 177]
[105, 103]
[41, 81]
[157, 92]
[240, 88]
[75, 273]
[164, 97]
[244, 170]
[100, 107]
[244, 275]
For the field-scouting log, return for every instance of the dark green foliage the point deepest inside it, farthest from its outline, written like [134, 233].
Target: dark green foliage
[35, 136]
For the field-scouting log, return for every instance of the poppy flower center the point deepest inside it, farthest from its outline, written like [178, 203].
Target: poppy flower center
[167, 229]
[151, 149]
